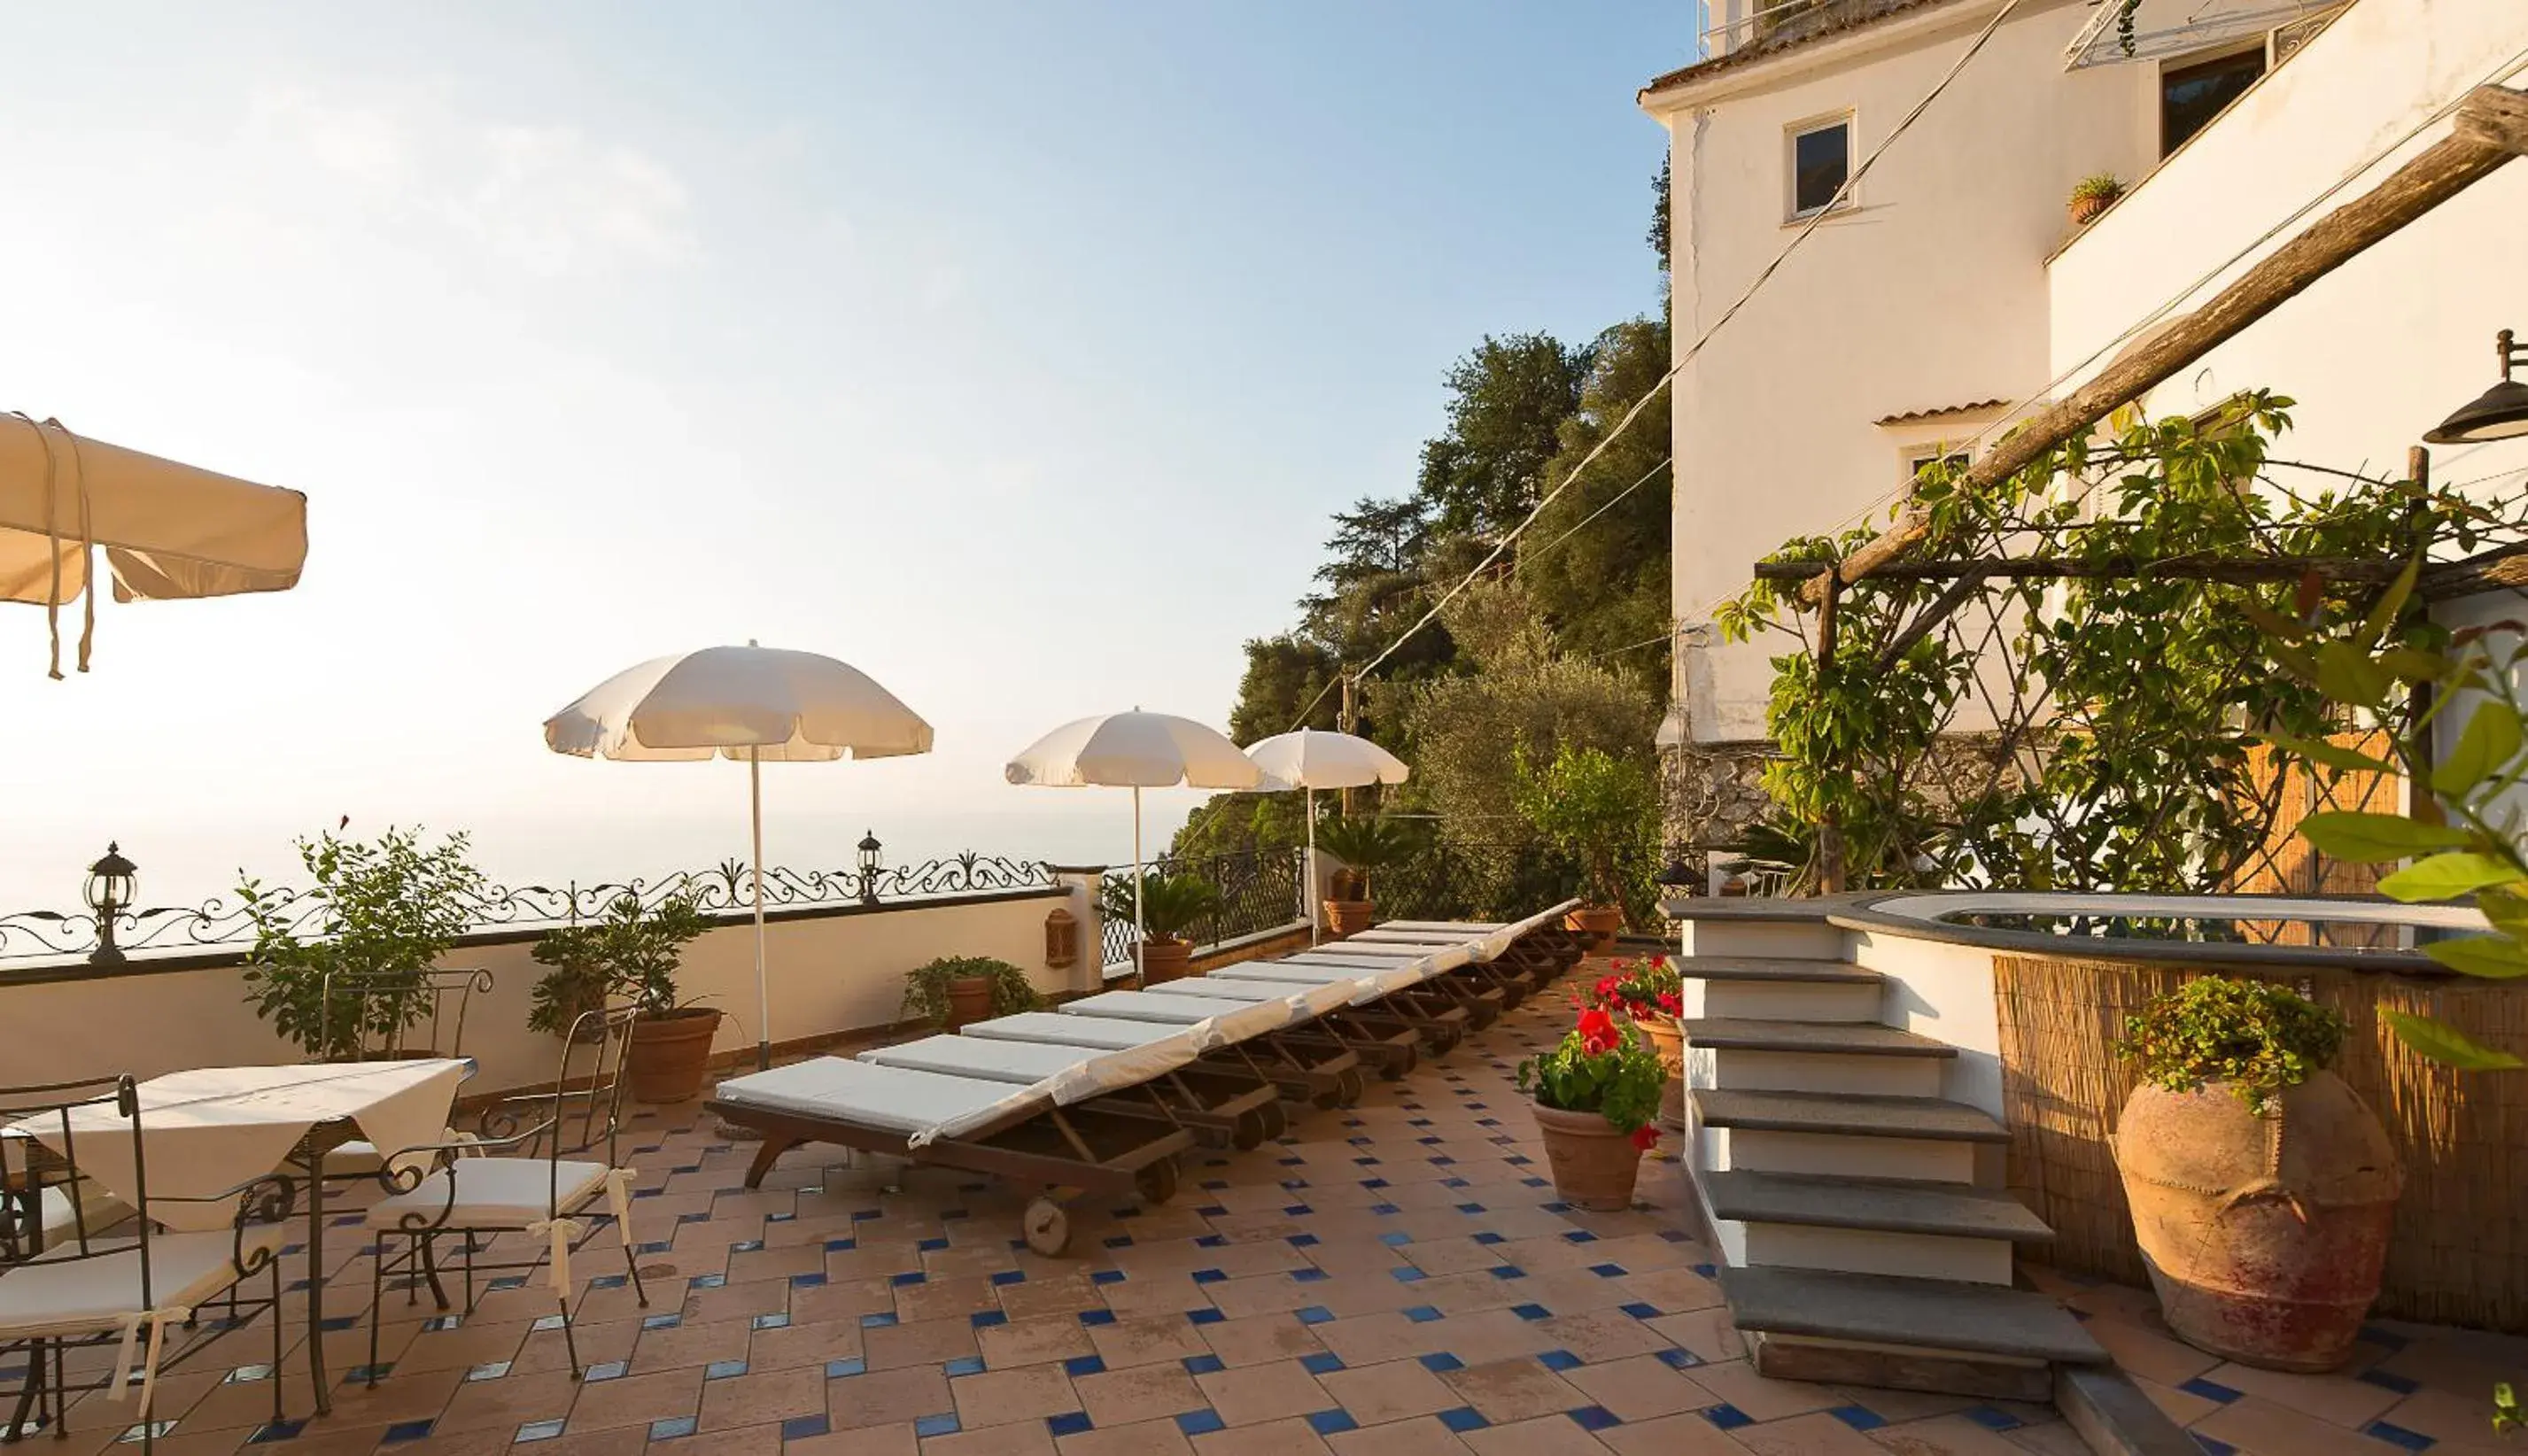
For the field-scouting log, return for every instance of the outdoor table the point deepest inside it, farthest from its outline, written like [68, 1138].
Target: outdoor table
[212, 1128]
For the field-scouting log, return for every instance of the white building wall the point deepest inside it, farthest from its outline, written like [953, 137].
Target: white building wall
[1930, 293]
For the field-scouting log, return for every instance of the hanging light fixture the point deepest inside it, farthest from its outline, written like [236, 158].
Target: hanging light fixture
[2498, 413]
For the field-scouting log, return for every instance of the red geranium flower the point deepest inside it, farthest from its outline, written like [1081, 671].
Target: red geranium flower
[1645, 1137]
[1671, 1003]
[1597, 1032]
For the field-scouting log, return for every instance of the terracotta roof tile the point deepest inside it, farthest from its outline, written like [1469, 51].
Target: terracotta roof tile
[1816, 21]
[1916, 416]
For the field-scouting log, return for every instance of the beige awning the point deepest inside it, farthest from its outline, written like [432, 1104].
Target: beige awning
[169, 531]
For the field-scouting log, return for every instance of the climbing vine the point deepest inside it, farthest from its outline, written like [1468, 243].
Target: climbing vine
[2085, 702]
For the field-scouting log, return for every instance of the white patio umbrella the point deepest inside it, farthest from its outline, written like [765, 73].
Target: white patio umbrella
[169, 531]
[762, 705]
[1313, 760]
[1136, 750]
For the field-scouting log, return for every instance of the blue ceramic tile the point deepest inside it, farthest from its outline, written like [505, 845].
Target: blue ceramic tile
[2386, 1339]
[775, 1321]
[491, 1370]
[1579, 1236]
[1608, 1270]
[746, 1246]
[802, 1428]
[806, 1280]
[1096, 1316]
[405, 1431]
[611, 1369]
[1530, 1312]
[1559, 1360]
[1507, 1271]
[1203, 1365]
[242, 1375]
[707, 1281]
[903, 1279]
[986, 1319]
[1463, 1418]
[1384, 1209]
[1396, 1239]
[1728, 1417]
[2389, 1381]
[1707, 1270]
[1107, 1276]
[662, 1322]
[1010, 1277]
[1200, 1423]
[1489, 1237]
[1084, 1365]
[2211, 1447]
[1119, 1241]
[1213, 1211]
[1594, 1418]
[674, 1428]
[277, 1430]
[1991, 1419]
[1205, 1317]
[1675, 1358]
[1309, 1276]
[362, 1375]
[1068, 1424]
[1441, 1362]
[2208, 1390]
[724, 1370]
[1304, 1241]
[1322, 1363]
[1407, 1273]
[1315, 1314]
[538, 1431]
[1298, 1210]
[549, 1321]
[964, 1365]
[1209, 1276]
[1328, 1423]
[1640, 1310]
[836, 1369]
[1858, 1417]
[1422, 1314]
[876, 1321]
[1211, 1241]
[931, 1245]
[2394, 1435]
[608, 1282]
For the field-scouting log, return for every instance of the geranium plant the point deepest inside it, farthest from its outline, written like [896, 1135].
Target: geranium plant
[1601, 1066]
[1644, 990]
[2258, 1038]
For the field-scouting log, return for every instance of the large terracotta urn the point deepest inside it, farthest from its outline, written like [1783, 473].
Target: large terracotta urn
[1667, 1038]
[1597, 925]
[2264, 1231]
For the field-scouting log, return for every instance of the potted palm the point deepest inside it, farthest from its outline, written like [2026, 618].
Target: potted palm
[1651, 994]
[1595, 1096]
[633, 953]
[337, 967]
[1365, 844]
[2262, 1188]
[956, 991]
[1599, 809]
[1170, 905]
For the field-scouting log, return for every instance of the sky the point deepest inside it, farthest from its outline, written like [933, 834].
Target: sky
[1012, 352]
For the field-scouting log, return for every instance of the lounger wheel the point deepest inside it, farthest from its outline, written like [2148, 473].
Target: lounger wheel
[1276, 1119]
[1482, 1013]
[1048, 1226]
[1348, 1085]
[1400, 1068]
[1248, 1133]
[1156, 1182]
[1444, 1040]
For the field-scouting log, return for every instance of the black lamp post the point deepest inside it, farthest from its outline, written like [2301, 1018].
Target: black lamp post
[868, 847]
[111, 884]
[2498, 413]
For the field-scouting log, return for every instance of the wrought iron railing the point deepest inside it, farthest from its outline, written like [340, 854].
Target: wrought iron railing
[1258, 891]
[224, 921]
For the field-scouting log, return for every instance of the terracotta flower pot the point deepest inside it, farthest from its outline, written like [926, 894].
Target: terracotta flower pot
[1594, 1164]
[1348, 916]
[2086, 210]
[970, 1000]
[670, 1053]
[2264, 1236]
[1667, 1039]
[1596, 925]
[1165, 959]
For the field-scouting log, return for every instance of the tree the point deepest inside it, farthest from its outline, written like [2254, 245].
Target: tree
[1283, 676]
[1658, 237]
[1595, 563]
[1507, 401]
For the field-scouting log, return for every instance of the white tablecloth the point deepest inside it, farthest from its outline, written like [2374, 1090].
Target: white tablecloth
[213, 1129]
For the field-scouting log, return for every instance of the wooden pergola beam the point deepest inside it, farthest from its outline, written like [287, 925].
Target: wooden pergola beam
[2491, 129]
[2487, 571]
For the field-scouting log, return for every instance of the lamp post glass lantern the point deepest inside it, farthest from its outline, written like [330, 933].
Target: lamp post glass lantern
[112, 882]
[869, 865]
[2498, 413]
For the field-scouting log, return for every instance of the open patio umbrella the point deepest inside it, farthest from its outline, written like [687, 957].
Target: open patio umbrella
[169, 531]
[1136, 750]
[1313, 760]
[762, 705]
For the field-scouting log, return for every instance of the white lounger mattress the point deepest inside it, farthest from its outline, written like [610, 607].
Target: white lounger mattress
[1483, 948]
[920, 1105]
[1445, 956]
[1102, 1033]
[1237, 1020]
[1072, 1074]
[1367, 982]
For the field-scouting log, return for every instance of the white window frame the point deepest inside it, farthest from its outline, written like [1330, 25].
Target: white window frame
[1913, 458]
[1849, 121]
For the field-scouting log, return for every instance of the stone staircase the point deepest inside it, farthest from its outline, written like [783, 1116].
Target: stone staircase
[1856, 1205]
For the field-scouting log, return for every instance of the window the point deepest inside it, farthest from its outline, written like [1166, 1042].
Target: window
[1920, 460]
[2189, 96]
[1821, 159]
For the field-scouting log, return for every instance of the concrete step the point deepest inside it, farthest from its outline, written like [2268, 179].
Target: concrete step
[1934, 1317]
[1784, 928]
[1871, 1205]
[1775, 970]
[1847, 1115]
[1743, 990]
[1760, 1034]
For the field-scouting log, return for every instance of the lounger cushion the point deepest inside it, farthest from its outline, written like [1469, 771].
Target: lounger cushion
[920, 1105]
[54, 1294]
[982, 1057]
[1230, 1021]
[492, 1193]
[1103, 1032]
[1313, 1000]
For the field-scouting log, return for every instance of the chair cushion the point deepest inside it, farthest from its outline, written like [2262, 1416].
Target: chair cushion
[56, 1294]
[493, 1193]
[63, 1208]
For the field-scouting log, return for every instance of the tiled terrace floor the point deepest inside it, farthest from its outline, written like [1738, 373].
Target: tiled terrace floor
[1396, 1279]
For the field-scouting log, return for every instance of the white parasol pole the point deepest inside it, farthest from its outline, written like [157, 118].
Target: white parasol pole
[1308, 876]
[1140, 963]
[763, 991]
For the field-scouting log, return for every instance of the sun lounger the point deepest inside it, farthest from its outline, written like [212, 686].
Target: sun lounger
[1306, 1064]
[1396, 1006]
[1238, 1106]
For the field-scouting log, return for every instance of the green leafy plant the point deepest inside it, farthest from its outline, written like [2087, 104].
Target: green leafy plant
[2468, 837]
[1365, 844]
[2258, 1038]
[1603, 1066]
[350, 971]
[926, 988]
[1171, 904]
[2098, 186]
[632, 953]
[1599, 808]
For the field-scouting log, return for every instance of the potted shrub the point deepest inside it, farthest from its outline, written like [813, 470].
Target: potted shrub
[1365, 844]
[2092, 195]
[956, 991]
[376, 915]
[1594, 1097]
[1171, 905]
[2262, 1189]
[1599, 810]
[1650, 994]
[632, 953]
